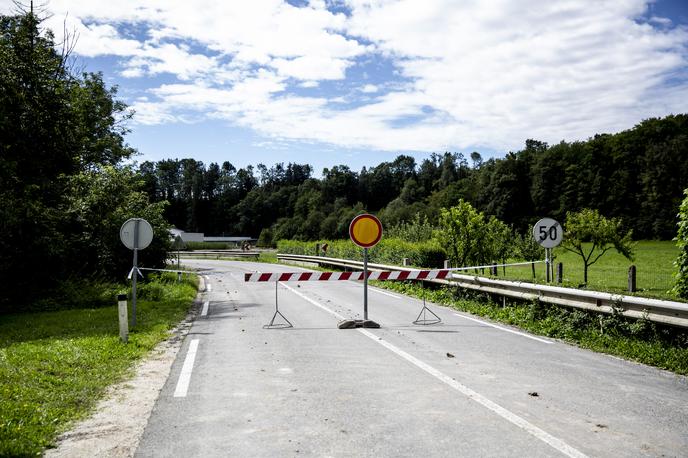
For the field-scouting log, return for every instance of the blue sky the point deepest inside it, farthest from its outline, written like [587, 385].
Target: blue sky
[358, 82]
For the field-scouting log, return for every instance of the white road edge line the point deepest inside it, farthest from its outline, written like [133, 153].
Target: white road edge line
[187, 368]
[386, 293]
[547, 438]
[540, 434]
[504, 329]
[204, 312]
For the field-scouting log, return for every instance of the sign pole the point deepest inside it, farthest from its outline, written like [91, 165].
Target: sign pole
[136, 234]
[548, 233]
[365, 283]
[365, 231]
[548, 254]
[135, 273]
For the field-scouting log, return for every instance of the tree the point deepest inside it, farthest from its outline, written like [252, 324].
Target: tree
[681, 287]
[97, 204]
[529, 250]
[462, 231]
[590, 235]
[53, 126]
[500, 240]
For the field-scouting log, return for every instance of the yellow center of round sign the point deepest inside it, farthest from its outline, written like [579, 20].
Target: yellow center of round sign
[365, 230]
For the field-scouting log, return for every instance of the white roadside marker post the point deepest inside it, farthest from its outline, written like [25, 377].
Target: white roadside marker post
[123, 321]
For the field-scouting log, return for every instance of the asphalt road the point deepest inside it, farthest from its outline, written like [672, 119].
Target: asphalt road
[462, 387]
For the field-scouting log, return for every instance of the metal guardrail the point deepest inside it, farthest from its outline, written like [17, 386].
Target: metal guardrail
[660, 311]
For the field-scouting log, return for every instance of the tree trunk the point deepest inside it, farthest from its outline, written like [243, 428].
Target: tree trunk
[585, 274]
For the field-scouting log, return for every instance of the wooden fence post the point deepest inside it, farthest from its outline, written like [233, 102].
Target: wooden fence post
[632, 279]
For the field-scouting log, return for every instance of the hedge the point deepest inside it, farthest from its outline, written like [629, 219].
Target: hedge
[389, 251]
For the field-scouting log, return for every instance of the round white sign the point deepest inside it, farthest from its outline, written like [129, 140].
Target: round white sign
[548, 233]
[136, 233]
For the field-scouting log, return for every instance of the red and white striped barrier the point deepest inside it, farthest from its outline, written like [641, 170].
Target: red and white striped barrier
[335, 276]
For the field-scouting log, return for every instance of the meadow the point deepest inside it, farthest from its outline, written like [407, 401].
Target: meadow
[55, 365]
[654, 261]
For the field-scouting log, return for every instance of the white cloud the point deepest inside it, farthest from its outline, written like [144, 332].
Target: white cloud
[467, 73]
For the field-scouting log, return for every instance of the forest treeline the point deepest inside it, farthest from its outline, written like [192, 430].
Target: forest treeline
[637, 175]
[64, 191]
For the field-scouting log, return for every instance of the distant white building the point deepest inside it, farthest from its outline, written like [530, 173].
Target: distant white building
[187, 236]
[200, 237]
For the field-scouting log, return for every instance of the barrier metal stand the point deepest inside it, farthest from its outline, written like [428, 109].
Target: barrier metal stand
[272, 324]
[424, 321]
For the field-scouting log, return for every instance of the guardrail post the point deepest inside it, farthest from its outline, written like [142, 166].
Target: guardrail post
[446, 264]
[560, 272]
[493, 270]
[631, 279]
[404, 262]
[317, 249]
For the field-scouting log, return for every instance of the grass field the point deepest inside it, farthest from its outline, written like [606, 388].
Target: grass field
[54, 366]
[654, 261]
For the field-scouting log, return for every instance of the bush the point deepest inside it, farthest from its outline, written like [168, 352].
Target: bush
[681, 287]
[389, 251]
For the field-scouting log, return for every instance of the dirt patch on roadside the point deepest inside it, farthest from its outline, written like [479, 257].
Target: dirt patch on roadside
[117, 424]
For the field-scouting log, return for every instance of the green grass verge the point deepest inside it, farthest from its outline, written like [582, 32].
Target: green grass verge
[654, 261]
[637, 340]
[55, 365]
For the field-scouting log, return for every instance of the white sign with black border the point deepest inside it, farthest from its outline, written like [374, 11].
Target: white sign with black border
[548, 232]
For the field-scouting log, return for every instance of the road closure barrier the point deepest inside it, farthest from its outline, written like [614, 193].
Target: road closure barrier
[439, 274]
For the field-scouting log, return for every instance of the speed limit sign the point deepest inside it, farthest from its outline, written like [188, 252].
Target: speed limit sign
[548, 233]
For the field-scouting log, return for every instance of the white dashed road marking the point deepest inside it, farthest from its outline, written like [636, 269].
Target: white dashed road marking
[187, 369]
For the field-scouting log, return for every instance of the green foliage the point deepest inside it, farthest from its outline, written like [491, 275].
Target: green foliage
[100, 201]
[637, 175]
[461, 230]
[601, 233]
[681, 287]
[265, 239]
[527, 249]
[62, 199]
[417, 229]
[472, 239]
[388, 251]
[54, 366]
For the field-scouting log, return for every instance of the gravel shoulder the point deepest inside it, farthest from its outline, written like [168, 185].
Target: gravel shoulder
[119, 419]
